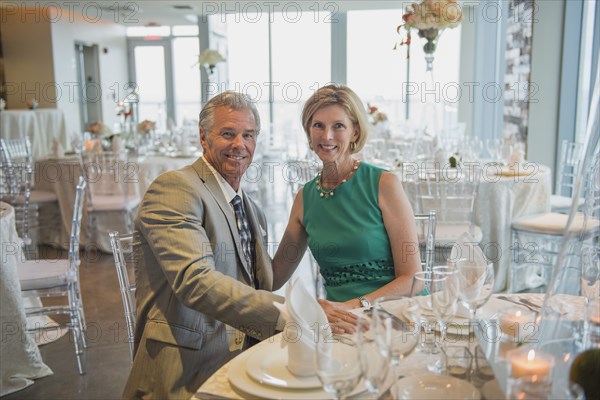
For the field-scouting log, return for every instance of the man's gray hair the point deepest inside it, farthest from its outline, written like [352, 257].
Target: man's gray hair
[234, 100]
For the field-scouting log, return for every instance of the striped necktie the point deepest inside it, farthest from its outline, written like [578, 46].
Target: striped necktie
[244, 231]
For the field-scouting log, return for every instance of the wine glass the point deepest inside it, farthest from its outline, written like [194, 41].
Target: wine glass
[338, 363]
[494, 148]
[444, 302]
[374, 359]
[421, 286]
[475, 282]
[395, 325]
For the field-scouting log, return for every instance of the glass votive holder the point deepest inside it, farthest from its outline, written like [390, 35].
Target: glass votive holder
[516, 324]
[482, 372]
[532, 387]
[457, 361]
[592, 323]
[526, 361]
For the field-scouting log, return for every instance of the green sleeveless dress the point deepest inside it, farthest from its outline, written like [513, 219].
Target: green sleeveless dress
[347, 237]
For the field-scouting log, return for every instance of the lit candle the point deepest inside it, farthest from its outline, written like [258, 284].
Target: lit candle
[516, 323]
[526, 362]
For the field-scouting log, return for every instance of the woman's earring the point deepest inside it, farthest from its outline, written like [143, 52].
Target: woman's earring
[352, 146]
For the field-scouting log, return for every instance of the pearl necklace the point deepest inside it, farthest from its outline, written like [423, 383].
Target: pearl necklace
[326, 193]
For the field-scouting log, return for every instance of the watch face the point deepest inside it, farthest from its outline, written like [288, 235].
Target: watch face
[364, 302]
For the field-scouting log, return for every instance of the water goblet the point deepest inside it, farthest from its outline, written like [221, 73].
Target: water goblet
[475, 282]
[374, 359]
[338, 364]
[421, 286]
[395, 327]
[444, 302]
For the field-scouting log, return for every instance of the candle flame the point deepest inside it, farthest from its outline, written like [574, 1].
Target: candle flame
[567, 357]
[531, 355]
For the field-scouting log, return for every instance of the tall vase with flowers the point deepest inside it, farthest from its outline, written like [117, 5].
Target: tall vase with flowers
[429, 18]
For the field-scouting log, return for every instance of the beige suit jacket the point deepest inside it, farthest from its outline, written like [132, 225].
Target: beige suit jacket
[192, 279]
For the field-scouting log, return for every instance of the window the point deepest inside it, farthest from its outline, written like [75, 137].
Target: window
[299, 63]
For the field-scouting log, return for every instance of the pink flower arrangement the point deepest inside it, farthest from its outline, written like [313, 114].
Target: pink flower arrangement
[437, 14]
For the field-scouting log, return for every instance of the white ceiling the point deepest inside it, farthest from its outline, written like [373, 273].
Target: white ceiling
[185, 12]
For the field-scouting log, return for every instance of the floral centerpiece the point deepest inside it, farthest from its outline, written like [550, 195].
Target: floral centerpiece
[380, 122]
[146, 126]
[33, 104]
[375, 115]
[430, 18]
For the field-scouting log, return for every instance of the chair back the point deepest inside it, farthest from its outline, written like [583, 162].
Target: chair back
[19, 150]
[106, 174]
[298, 172]
[122, 249]
[426, 224]
[76, 225]
[568, 165]
[450, 192]
[15, 187]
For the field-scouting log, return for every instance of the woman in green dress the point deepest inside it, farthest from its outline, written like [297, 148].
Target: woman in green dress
[355, 217]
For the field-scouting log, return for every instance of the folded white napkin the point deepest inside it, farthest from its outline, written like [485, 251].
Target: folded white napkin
[517, 157]
[301, 311]
[467, 251]
[57, 149]
[466, 247]
[117, 144]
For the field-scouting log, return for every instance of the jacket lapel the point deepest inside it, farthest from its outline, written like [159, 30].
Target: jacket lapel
[264, 273]
[210, 180]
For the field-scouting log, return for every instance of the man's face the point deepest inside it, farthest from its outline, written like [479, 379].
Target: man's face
[229, 146]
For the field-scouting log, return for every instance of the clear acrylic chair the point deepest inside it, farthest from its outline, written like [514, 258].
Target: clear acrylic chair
[112, 188]
[426, 231]
[60, 278]
[451, 192]
[537, 239]
[568, 165]
[18, 181]
[122, 249]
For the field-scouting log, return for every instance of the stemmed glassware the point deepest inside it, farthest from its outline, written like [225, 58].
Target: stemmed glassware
[374, 359]
[338, 364]
[475, 284]
[421, 286]
[494, 148]
[444, 301]
[396, 332]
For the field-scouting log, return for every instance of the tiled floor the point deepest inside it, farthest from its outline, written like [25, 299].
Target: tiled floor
[107, 356]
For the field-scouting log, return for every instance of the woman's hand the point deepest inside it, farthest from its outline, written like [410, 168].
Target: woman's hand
[340, 319]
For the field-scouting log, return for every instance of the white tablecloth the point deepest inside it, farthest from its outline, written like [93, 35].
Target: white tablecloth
[41, 126]
[20, 357]
[219, 387]
[500, 200]
[61, 177]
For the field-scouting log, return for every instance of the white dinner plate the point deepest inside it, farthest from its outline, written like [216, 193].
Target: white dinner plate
[240, 380]
[269, 367]
[434, 387]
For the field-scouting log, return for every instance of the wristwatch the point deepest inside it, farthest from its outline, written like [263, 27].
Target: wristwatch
[364, 302]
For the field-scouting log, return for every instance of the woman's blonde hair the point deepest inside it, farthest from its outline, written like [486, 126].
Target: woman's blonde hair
[344, 97]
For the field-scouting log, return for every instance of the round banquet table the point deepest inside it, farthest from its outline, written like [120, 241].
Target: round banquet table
[61, 176]
[42, 126]
[502, 198]
[21, 359]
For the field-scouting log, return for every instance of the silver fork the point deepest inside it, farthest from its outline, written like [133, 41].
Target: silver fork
[520, 303]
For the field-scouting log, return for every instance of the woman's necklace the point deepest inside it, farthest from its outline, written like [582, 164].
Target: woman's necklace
[326, 193]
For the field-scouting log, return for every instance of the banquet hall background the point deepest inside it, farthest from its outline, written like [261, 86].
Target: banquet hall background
[514, 79]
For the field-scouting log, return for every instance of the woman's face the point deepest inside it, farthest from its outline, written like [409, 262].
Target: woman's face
[331, 132]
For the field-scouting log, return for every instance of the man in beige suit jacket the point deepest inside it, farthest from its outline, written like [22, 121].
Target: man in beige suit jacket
[197, 294]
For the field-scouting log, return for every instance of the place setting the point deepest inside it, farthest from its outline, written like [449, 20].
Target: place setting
[305, 362]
